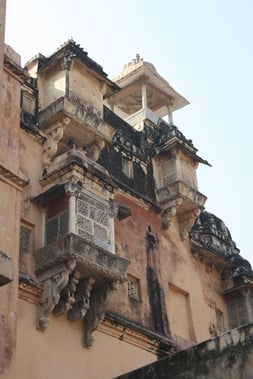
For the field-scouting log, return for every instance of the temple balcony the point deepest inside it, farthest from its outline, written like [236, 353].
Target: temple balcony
[78, 279]
[182, 193]
[72, 118]
[176, 183]
[77, 264]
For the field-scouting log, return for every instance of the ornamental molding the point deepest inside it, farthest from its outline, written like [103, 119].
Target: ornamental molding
[29, 293]
[134, 334]
[15, 179]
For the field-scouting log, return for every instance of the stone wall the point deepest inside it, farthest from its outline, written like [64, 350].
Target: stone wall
[229, 356]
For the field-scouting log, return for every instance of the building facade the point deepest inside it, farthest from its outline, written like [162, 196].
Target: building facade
[108, 260]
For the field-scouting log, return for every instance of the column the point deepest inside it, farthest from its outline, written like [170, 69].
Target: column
[72, 212]
[43, 226]
[144, 96]
[170, 117]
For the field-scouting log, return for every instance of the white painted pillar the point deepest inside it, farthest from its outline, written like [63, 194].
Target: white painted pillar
[72, 213]
[144, 96]
[170, 117]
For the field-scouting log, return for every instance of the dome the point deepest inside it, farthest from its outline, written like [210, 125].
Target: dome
[133, 65]
[214, 232]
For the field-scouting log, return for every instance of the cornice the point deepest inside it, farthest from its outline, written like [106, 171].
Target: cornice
[16, 179]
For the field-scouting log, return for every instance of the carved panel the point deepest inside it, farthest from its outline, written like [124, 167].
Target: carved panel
[188, 173]
[87, 254]
[25, 239]
[168, 171]
[133, 288]
[93, 221]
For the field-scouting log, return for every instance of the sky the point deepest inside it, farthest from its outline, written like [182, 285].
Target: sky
[203, 48]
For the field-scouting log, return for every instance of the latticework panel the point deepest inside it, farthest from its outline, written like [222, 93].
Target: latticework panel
[168, 171]
[188, 173]
[93, 222]
[133, 288]
[25, 239]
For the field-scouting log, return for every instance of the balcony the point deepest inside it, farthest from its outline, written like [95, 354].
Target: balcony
[71, 118]
[238, 281]
[180, 190]
[79, 278]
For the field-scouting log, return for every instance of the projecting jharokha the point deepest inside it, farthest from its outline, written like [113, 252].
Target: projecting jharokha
[108, 259]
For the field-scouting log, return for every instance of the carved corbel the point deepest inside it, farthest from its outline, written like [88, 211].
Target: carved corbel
[186, 222]
[82, 300]
[53, 138]
[67, 295]
[170, 212]
[95, 149]
[51, 293]
[167, 216]
[99, 301]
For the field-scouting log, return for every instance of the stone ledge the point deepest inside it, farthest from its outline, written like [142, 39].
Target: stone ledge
[229, 356]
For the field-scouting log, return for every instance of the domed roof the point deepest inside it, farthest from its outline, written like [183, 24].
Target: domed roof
[133, 65]
[207, 224]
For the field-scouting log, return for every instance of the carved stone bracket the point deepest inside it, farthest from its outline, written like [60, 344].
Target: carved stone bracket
[67, 295]
[100, 299]
[50, 297]
[169, 212]
[82, 300]
[186, 222]
[53, 138]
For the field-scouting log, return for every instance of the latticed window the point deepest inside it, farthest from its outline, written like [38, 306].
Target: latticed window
[237, 311]
[219, 321]
[133, 288]
[57, 227]
[188, 173]
[25, 239]
[168, 171]
[93, 221]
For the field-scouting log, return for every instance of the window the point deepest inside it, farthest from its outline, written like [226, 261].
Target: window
[237, 311]
[25, 239]
[168, 171]
[133, 288]
[93, 221]
[56, 227]
[219, 321]
[25, 246]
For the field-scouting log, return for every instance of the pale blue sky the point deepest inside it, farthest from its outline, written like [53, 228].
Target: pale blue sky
[203, 48]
